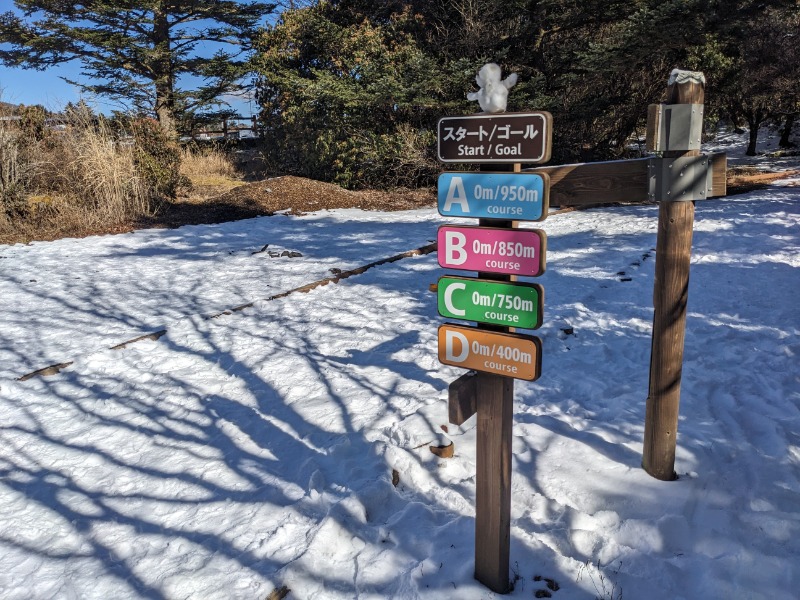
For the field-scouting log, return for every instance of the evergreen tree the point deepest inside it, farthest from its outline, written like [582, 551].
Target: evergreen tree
[355, 102]
[135, 51]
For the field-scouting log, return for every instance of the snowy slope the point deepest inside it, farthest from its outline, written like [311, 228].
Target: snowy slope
[256, 449]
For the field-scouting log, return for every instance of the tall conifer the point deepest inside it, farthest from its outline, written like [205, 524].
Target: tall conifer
[135, 51]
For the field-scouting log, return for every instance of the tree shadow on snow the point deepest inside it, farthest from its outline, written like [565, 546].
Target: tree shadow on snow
[149, 459]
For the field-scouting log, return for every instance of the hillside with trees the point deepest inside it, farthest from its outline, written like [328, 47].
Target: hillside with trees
[354, 88]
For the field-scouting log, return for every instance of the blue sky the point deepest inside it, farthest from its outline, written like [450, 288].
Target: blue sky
[28, 86]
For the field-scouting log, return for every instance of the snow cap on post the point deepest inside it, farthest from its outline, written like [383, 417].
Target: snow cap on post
[493, 95]
[681, 76]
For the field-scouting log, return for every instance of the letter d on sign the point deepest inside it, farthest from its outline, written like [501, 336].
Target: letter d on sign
[449, 337]
[454, 243]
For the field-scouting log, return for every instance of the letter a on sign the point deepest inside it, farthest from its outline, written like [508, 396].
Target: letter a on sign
[456, 195]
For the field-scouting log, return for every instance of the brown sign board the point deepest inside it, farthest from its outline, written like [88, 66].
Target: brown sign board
[496, 138]
[511, 355]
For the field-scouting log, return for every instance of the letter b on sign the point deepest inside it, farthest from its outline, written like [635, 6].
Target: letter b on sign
[454, 243]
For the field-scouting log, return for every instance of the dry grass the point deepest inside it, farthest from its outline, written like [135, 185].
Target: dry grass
[70, 182]
[209, 167]
[747, 179]
[102, 173]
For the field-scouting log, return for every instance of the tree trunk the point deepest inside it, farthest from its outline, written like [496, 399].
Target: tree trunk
[751, 145]
[787, 131]
[754, 120]
[164, 80]
[165, 109]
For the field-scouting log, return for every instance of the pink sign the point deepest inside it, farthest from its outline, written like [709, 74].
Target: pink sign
[493, 250]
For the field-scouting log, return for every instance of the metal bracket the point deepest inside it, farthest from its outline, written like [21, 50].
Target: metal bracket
[676, 127]
[679, 179]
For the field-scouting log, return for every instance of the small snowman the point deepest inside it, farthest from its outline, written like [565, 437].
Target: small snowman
[493, 95]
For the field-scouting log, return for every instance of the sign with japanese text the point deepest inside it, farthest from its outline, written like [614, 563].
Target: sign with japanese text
[500, 138]
[494, 302]
[492, 249]
[512, 355]
[514, 196]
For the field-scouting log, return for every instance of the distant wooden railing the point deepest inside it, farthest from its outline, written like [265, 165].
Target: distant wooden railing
[229, 128]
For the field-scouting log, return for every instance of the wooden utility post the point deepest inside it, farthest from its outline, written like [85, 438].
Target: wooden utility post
[670, 294]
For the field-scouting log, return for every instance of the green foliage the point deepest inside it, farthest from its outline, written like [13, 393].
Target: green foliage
[157, 158]
[33, 123]
[753, 66]
[349, 102]
[339, 79]
[351, 90]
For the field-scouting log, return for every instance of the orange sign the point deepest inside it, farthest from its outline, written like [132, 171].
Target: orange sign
[512, 355]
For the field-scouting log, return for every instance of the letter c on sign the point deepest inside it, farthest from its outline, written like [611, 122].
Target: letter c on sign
[448, 298]
[449, 336]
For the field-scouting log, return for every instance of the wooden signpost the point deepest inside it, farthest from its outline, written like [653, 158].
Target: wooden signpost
[499, 253]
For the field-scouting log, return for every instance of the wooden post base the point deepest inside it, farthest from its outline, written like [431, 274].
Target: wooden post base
[493, 481]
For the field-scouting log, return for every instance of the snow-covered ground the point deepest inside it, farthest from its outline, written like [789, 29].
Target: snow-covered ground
[255, 450]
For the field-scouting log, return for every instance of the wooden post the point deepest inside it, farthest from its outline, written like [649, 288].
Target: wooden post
[495, 403]
[493, 481]
[670, 294]
[462, 398]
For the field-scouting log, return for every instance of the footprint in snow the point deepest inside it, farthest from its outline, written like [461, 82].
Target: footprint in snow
[552, 586]
[621, 275]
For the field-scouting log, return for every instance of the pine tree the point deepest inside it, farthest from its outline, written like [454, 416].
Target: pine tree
[135, 51]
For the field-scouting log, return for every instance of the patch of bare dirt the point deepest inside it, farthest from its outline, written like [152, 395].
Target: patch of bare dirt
[219, 204]
[300, 195]
[294, 195]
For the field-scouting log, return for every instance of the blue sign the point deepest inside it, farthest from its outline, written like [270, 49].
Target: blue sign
[508, 196]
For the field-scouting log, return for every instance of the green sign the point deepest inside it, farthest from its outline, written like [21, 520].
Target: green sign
[495, 302]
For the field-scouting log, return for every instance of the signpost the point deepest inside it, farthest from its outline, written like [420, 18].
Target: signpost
[518, 196]
[498, 251]
[493, 302]
[496, 138]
